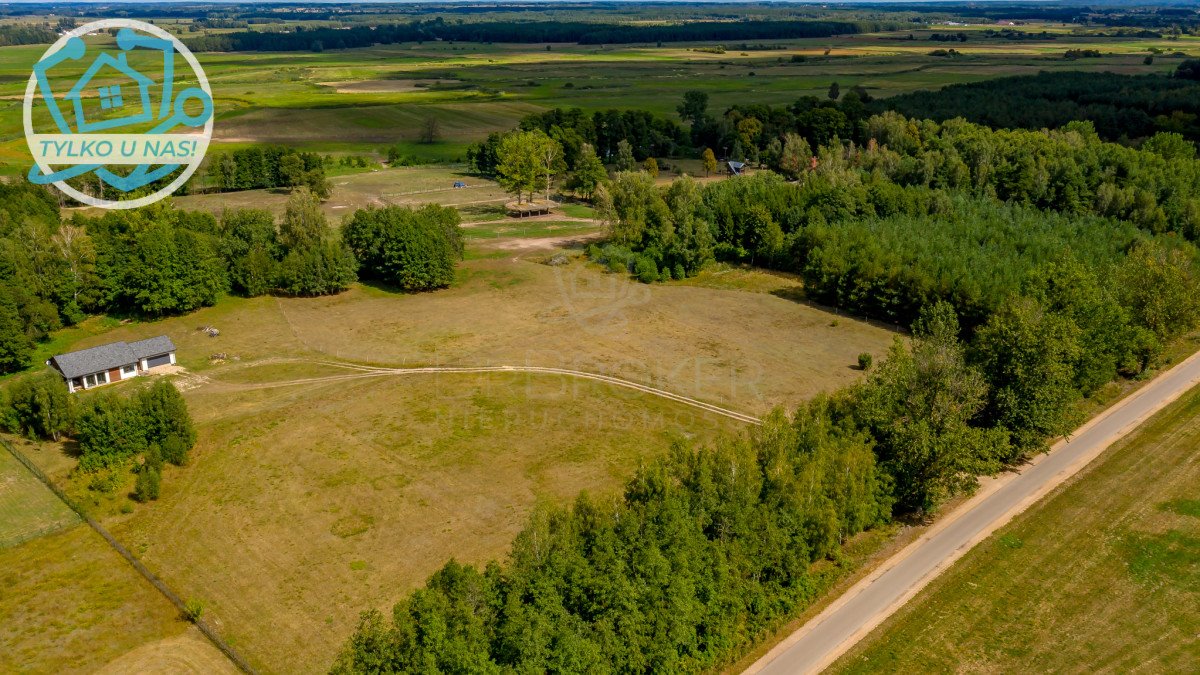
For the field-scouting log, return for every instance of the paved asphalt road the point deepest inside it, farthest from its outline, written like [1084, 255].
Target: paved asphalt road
[819, 642]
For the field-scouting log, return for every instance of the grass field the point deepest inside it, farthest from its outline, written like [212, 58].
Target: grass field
[27, 508]
[70, 604]
[306, 502]
[1103, 576]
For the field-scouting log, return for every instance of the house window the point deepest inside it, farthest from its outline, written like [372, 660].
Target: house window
[128, 370]
[110, 97]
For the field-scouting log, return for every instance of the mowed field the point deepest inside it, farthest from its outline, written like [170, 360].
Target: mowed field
[70, 604]
[318, 490]
[27, 508]
[1103, 576]
[410, 186]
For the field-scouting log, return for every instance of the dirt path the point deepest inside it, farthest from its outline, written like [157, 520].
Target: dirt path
[818, 643]
[372, 371]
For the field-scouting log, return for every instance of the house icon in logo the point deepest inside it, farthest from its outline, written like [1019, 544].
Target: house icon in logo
[111, 97]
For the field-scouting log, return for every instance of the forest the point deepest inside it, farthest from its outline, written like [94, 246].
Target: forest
[1119, 106]
[320, 38]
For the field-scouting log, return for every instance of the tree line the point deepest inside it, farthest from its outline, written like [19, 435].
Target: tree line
[115, 435]
[159, 260]
[583, 32]
[266, 167]
[1119, 106]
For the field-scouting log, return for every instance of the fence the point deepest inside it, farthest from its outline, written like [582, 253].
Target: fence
[129, 557]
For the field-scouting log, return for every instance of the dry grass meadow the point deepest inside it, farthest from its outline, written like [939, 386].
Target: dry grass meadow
[316, 491]
[70, 604]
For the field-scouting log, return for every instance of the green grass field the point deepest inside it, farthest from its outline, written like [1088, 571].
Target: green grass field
[1102, 576]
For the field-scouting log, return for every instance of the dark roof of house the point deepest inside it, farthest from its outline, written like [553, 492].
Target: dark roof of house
[109, 356]
[155, 346]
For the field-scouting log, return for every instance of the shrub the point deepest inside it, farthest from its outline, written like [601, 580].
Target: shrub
[645, 270]
[864, 361]
[192, 610]
[149, 480]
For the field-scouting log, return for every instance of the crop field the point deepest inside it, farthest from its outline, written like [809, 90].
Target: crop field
[1105, 572]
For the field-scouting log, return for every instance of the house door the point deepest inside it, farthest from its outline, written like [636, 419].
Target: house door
[157, 361]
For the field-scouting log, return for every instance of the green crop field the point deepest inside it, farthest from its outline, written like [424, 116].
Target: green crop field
[1105, 572]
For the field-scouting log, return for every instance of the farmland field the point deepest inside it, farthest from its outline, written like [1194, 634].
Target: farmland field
[352, 438]
[1104, 572]
[365, 100]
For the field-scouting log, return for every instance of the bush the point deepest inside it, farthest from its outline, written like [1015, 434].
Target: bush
[864, 361]
[148, 482]
[678, 272]
[645, 270]
[192, 610]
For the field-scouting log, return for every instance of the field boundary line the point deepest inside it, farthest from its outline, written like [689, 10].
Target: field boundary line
[149, 576]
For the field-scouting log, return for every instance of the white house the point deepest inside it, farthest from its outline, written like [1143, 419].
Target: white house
[113, 362]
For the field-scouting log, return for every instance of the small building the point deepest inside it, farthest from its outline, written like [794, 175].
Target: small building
[735, 168]
[113, 362]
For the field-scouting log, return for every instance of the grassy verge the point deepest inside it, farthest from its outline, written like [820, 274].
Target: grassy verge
[1103, 575]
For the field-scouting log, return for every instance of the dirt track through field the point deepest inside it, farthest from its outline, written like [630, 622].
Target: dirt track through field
[373, 371]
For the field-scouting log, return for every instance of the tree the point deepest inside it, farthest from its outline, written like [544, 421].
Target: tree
[709, 161]
[291, 170]
[694, 107]
[430, 130]
[625, 159]
[1188, 70]
[550, 158]
[589, 172]
[795, 155]
[834, 91]
[1027, 353]
[650, 166]
[304, 224]
[15, 345]
[165, 421]
[326, 268]
[519, 168]
[919, 404]
[414, 250]
[42, 407]
[148, 485]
